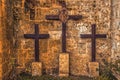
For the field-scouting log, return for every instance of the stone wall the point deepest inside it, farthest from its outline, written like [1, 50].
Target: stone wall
[6, 47]
[79, 49]
[17, 19]
[115, 30]
[22, 22]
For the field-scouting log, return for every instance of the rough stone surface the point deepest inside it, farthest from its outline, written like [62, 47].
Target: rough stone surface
[36, 68]
[115, 23]
[64, 64]
[93, 69]
[15, 46]
[49, 49]
[6, 50]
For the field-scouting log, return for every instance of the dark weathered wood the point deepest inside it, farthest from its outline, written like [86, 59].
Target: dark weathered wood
[93, 37]
[100, 35]
[36, 36]
[63, 17]
[52, 17]
[64, 37]
[75, 17]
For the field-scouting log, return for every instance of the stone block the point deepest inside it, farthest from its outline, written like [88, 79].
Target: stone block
[64, 64]
[38, 12]
[36, 69]
[43, 47]
[93, 69]
[55, 35]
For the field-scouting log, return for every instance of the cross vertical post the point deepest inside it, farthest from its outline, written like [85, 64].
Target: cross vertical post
[63, 37]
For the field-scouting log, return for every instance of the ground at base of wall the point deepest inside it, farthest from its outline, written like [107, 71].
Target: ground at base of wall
[48, 77]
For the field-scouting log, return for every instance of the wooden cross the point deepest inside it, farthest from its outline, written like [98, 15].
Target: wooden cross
[63, 17]
[36, 36]
[93, 37]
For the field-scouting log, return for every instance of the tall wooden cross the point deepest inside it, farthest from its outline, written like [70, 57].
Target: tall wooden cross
[63, 17]
[36, 36]
[93, 37]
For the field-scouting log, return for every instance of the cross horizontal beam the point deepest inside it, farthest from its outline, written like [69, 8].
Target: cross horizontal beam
[75, 17]
[33, 36]
[56, 17]
[52, 17]
[96, 36]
